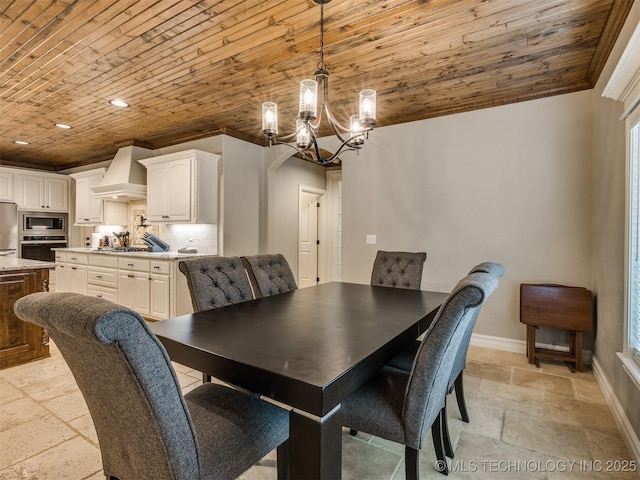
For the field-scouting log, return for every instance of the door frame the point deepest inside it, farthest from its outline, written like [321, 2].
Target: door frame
[322, 229]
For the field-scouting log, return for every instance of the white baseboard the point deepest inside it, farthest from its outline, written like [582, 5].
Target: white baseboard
[626, 430]
[499, 343]
[519, 346]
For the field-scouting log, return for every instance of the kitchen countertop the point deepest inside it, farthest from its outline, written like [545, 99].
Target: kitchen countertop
[171, 255]
[23, 264]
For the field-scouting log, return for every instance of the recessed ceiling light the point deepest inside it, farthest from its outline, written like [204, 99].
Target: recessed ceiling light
[20, 142]
[62, 125]
[119, 103]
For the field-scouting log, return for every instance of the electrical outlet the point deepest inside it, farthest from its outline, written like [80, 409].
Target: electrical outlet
[371, 239]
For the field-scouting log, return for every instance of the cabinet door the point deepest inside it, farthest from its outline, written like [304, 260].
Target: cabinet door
[76, 278]
[156, 193]
[88, 208]
[6, 187]
[20, 341]
[179, 190]
[133, 291]
[31, 192]
[61, 284]
[57, 194]
[160, 291]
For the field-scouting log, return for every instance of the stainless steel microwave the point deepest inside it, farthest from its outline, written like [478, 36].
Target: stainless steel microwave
[43, 223]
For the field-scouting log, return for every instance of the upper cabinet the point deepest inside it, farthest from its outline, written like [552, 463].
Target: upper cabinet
[43, 191]
[182, 187]
[6, 185]
[95, 211]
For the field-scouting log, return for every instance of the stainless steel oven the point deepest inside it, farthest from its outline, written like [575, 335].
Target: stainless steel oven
[39, 247]
[39, 232]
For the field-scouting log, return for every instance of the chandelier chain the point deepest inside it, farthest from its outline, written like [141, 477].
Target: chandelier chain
[321, 64]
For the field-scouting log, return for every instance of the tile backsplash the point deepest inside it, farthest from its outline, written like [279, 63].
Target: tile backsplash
[204, 238]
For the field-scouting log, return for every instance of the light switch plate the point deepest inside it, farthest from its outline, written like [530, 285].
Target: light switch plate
[371, 239]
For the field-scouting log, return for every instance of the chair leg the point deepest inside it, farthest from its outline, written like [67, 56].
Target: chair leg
[411, 465]
[436, 432]
[206, 378]
[282, 460]
[462, 405]
[446, 439]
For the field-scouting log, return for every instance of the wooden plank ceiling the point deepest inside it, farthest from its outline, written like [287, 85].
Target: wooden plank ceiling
[192, 69]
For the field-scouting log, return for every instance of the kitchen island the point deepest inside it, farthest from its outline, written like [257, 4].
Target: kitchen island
[21, 342]
[148, 282]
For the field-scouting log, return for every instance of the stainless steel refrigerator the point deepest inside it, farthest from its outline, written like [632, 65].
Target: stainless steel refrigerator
[8, 229]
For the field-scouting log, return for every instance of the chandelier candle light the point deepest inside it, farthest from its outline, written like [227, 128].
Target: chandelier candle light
[351, 137]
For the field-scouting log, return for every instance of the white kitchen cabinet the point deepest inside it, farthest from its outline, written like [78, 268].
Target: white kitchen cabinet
[96, 211]
[182, 187]
[75, 275]
[133, 284]
[160, 293]
[6, 185]
[61, 284]
[133, 290]
[103, 277]
[151, 286]
[44, 192]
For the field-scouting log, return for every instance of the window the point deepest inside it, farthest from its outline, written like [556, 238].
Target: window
[633, 315]
[624, 86]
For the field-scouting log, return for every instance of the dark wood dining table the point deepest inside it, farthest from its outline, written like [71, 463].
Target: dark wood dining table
[308, 349]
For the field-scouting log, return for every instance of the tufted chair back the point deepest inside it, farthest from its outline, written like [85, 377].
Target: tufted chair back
[398, 269]
[270, 274]
[146, 428]
[216, 282]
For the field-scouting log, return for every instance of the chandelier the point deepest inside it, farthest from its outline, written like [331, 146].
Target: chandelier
[351, 137]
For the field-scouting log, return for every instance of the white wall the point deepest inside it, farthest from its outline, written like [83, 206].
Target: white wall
[608, 241]
[284, 175]
[510, 184]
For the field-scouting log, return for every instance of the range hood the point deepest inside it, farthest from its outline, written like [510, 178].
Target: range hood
[125, 179]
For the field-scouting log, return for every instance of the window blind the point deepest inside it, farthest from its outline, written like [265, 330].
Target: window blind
[634, 305]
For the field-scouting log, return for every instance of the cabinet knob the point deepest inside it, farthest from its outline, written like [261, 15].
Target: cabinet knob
[131, 276]
[73, 268]
[156, 267]
[98, 276]
[99, 295]
[165, 216]
[129, 264]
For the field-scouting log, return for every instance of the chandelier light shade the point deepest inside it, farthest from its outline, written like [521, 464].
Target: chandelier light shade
[314, 98]
[270, 118]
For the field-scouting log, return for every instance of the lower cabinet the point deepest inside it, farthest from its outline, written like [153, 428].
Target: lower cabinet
[75, 273]
[160, 289]
[153, 288]
[20, 342]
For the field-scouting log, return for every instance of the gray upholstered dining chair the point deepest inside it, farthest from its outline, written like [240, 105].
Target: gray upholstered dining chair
[146, 428]
[269, 274]
[216, 282]
[398, 269]
[401, 406]
[404, 361]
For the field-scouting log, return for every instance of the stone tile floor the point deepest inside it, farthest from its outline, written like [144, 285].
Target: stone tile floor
[526, 422]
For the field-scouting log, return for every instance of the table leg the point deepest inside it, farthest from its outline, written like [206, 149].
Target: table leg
[531, 344]
[578, 351]
[315, 445]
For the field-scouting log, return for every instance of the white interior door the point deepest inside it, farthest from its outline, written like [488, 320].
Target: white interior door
[308, 239]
